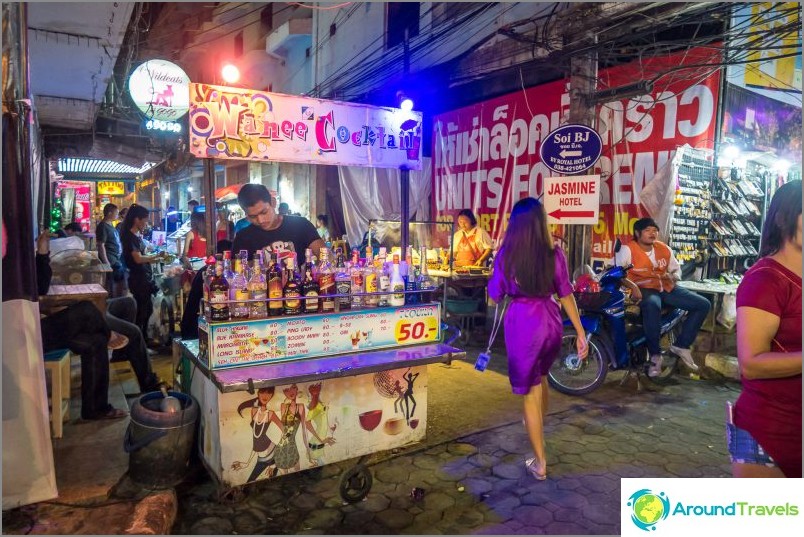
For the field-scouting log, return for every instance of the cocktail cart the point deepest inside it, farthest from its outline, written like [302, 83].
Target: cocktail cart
[285, 394]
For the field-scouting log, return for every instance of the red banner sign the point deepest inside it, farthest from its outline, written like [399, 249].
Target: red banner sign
[486, 156]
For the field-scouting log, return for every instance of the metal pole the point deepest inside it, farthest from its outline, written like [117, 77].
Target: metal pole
[404, 179]
[208, 191]
[404, 184]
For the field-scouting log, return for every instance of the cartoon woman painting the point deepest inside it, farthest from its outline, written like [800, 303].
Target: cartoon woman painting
[318, 424]
[293, 415]
[262, 445]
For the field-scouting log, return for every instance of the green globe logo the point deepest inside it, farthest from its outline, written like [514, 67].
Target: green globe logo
[648, 508]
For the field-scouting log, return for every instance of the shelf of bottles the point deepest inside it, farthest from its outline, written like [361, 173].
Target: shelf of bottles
[690, 225]
[277, 310]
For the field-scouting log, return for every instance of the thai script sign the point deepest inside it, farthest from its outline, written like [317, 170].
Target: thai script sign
[160, 89]
[277, 339]
[486, 156]
[233, 123]
[571, 149]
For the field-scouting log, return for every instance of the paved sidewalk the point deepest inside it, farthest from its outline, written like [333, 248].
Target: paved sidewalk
[478, 484]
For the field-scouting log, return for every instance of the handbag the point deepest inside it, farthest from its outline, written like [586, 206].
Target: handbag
[499, 313]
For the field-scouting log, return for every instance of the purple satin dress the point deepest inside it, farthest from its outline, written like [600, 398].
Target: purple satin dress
[533, 326]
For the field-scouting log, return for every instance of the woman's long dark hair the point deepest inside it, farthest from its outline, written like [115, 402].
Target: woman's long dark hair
[253, 402]
[135, 211]
[527, 255]
[781, 221]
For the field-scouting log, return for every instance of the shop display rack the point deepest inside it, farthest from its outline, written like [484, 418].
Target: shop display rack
[689, 230]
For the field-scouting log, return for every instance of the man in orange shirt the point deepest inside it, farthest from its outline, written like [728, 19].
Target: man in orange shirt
[653, 282]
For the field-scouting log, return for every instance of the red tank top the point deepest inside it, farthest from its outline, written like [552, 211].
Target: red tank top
[198, 245]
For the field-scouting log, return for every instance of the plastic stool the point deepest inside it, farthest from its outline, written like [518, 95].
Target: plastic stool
[58, 363]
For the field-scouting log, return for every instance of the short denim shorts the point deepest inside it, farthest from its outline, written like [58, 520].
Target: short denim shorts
[744, 449]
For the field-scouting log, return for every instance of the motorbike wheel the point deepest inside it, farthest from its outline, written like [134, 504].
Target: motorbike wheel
[572, 376]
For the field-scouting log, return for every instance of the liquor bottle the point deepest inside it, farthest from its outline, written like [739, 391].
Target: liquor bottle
[426, 283]
[274, 287]
[380, 260]
[310, 292]
[358, 284]
[258, 290]
[243, 255]
[227, 266]
[343, 283]
[370, 280]
[411, 285]
[238, 291]
[292, 290]
[309, 262]
[326, 282]
[219, 295]
[209, 273]
[397, 285]
[385, 285]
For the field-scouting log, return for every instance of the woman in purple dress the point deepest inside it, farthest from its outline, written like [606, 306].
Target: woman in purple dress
[530, 270]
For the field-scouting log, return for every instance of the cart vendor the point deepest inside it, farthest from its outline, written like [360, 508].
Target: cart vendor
[471, 245]
[270, 229]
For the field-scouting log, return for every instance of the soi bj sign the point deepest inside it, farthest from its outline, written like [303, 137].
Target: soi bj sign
[572, 200]
[571, 149]
[233, 123]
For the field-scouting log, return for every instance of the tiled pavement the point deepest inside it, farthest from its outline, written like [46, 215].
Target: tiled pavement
[478, 483]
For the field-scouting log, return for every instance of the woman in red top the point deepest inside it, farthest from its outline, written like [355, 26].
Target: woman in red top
[195, 244]
[765, 436]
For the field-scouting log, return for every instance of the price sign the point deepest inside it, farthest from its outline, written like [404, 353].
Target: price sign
[416, 330]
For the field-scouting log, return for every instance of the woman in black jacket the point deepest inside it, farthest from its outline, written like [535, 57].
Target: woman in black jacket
[140, 276]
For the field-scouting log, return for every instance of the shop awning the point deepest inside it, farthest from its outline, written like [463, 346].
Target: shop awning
[227, 193]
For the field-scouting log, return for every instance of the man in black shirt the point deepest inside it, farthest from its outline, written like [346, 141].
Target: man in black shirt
[270, 229]
[109, 248]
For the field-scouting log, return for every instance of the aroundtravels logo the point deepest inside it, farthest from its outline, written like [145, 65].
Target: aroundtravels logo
[648, 508]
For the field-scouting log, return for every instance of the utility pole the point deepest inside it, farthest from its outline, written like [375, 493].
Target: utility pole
[211, 214]
[583, 84]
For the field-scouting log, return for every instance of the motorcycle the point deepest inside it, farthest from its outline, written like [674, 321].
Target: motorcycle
[615, 337]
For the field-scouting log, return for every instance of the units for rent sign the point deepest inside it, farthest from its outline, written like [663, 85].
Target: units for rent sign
[487, 156]
[233, 123]
[572, 200]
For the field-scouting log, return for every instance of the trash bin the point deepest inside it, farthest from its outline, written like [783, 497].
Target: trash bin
[160, 444]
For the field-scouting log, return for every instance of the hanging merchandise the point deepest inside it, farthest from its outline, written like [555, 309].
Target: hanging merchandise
[692, 214]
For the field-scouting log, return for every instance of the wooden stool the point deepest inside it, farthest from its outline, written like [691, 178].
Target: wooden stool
[58, 363]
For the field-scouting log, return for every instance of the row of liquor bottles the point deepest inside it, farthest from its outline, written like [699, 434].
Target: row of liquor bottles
[275, 284]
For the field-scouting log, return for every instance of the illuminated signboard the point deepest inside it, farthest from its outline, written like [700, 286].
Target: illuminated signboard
[233, 123]
[164, 126]
[111, 188]
[160, 89]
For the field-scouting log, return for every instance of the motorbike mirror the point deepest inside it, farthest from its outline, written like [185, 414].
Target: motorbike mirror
[617, 246]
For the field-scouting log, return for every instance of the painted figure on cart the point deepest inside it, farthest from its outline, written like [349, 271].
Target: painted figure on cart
[318, 424]
[293, 415]
[265, 448]
[410, 378]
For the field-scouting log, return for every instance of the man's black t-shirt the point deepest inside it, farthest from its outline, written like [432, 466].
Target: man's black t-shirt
[295, 234]
[137, 273]
[106, 234]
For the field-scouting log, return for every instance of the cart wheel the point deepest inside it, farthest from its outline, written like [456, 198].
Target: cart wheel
[356, 483]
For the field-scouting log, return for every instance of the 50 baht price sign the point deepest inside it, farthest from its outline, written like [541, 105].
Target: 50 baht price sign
[278, 339]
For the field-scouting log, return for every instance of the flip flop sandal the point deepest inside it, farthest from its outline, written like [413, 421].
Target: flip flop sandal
[531, 465]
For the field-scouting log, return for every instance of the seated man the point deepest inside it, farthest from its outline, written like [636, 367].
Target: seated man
[653, 282]
[81, 328]
[121, 315]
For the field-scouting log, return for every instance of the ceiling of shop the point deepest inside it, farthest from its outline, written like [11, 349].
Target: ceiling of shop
[73, 47]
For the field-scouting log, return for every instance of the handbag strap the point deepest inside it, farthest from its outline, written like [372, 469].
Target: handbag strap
[499, 313]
